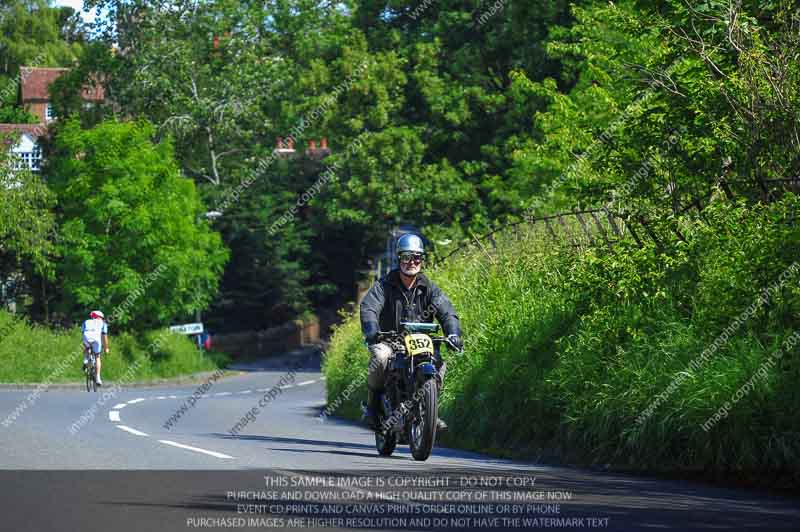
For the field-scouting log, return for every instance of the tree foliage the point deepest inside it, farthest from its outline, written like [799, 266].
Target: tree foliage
[455, 115]
[125, 213]
[27, 228]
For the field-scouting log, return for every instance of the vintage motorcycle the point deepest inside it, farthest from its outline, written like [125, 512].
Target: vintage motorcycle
[410, 402]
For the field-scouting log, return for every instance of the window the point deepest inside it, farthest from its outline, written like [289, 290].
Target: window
[50, 113]
[36, 159]
[31, 160]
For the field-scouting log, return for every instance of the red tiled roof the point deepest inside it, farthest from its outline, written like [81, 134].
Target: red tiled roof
[35, 130]
[35, 82]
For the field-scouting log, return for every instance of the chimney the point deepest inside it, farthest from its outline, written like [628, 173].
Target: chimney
[284, 147]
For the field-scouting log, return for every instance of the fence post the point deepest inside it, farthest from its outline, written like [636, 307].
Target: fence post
[550, 229]
[723, 183]
[633, 232]
[602, 229]
[563, 224]
[650, 232]
[764, 187]
[584, 227]
[612, 223]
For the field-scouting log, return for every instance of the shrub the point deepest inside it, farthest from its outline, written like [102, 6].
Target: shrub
[594, 357]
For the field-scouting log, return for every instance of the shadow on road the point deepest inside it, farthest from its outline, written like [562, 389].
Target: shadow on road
[291, 441]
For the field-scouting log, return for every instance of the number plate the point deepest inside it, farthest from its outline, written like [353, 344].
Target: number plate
[419, 344]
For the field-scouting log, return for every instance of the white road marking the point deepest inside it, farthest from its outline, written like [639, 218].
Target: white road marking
[195, 449]
[133, 402]
[113, 415]
[286, 386]
[120, 406]
[161, 397]
[173, 397]
[132, 431]
[306, 382]
[245, 391]
[322, 378]
[220, 394]
[262, 389]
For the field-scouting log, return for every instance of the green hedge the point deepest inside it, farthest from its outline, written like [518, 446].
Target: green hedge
[34, 353]
[567, 351]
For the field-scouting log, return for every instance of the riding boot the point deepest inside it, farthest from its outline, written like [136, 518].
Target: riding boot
[373, 408]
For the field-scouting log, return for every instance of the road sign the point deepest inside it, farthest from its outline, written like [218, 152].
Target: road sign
[187, 328]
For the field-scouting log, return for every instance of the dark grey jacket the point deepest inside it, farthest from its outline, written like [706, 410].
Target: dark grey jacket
[388, 303]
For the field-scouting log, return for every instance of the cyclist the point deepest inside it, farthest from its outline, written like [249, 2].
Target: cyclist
[95, 337]
[403, 294]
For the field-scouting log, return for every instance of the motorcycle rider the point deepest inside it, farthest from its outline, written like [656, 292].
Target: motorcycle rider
[403, 294]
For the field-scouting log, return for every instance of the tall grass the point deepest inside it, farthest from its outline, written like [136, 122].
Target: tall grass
[566, 349]
[33, 353]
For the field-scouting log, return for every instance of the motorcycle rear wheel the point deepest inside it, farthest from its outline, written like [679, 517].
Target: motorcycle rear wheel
[385, 442]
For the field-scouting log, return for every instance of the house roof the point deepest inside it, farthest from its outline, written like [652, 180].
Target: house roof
[34, 130]
[35, 82]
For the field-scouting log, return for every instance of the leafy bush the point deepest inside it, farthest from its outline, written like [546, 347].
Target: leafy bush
[595, 357]
[34, 353]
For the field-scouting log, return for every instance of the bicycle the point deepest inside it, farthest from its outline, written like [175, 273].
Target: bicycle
[91, 370]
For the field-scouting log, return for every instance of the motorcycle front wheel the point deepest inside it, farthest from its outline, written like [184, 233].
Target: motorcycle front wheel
[423, 425]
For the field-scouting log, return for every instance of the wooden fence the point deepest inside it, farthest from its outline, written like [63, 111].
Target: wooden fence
[605, 227]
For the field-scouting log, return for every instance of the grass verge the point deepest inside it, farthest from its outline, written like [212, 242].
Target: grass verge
[33, 353]
[604, 357]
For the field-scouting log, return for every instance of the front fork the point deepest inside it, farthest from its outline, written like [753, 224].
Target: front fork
[415, 379]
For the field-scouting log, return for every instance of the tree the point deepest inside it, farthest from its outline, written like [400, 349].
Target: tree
[671, 97]
[125, 212]
[31, 35]
[27, 228]
[196, 71]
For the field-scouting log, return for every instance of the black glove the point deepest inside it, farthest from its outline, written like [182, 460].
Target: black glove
[370, 330]
[457, 341]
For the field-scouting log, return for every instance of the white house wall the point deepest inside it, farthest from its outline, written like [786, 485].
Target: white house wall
[26, 144]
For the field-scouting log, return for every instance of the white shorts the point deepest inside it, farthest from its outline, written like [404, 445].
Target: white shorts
[95, 345]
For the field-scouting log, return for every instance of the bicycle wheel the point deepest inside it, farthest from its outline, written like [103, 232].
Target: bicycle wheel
[88, 371]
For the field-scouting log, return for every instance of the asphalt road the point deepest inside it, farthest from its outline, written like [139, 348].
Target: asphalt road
[73, 460]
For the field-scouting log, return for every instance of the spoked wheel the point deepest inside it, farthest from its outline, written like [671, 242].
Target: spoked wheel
[423, 423]
[385, 440]
[91, 375]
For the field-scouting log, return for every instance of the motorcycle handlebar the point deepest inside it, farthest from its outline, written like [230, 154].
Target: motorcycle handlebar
[436, 339]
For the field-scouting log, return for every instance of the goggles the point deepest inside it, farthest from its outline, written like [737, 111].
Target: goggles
[411, 257]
